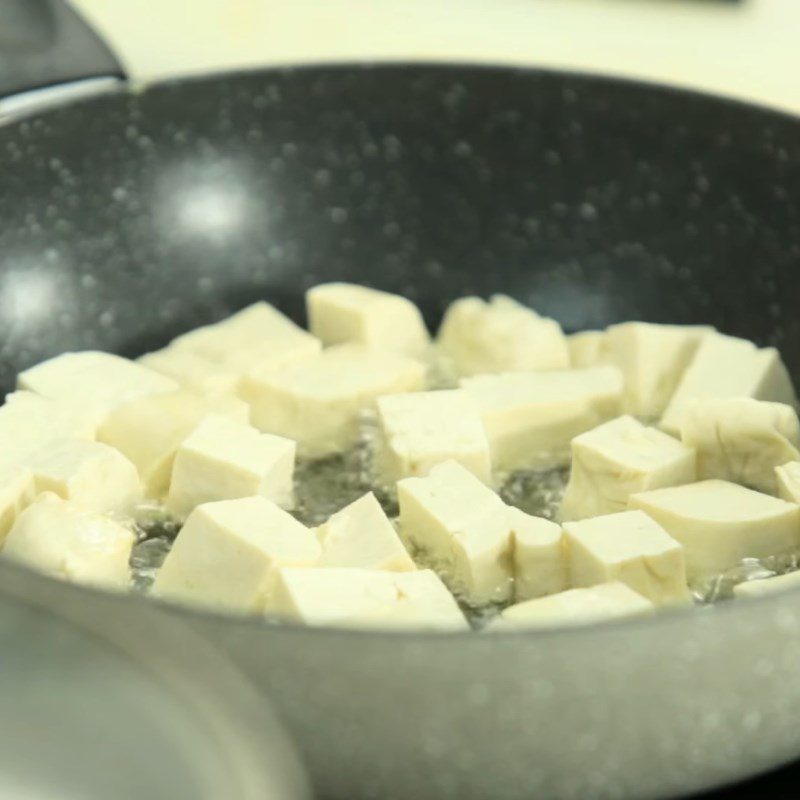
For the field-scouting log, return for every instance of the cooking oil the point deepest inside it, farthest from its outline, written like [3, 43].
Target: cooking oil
[325, 486]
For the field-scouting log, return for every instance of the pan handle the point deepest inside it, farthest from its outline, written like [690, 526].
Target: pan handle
[48, 50]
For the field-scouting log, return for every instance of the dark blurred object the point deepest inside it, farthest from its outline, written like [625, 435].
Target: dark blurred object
[45, 43]
[779, 785]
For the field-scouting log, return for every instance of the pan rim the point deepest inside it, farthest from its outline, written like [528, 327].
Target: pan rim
[265, 623]
[140, 87]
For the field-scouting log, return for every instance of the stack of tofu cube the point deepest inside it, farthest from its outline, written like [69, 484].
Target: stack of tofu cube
[684, 446]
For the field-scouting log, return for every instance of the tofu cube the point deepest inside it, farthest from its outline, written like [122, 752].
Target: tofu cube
[257, 336]
[787, 478]
[461, 529]
[318, 402]
[720, 523]
[500, 336]
[630, 548]
[17, 491]
[149, 430]
[365, 599]
[95, 381]
[725, 366]
[653, 359]
[741, 440]
[531, 417]
[540, 563]
[223, 460]
[588, 349]
[767, 586]
[339, 313]
[601, 603]
[53, 418]
[62, 540]
[362, 536]
[28, 423]
[417, 431]
[193, 371]
[91, 475]
[618, 459]
[226, 554]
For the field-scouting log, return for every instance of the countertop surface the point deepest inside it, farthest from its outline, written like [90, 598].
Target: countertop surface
[745, 49]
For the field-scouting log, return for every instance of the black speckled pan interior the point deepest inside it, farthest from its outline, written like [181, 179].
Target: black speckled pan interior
[128, 218]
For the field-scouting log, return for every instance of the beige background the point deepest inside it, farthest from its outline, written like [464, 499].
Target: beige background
[749, 50]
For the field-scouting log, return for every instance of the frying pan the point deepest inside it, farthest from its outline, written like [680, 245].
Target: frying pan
[130, 216]
[125, 705]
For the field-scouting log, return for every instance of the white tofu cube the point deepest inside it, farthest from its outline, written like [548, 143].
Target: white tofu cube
[318, 402]
[653, 359]
[461, 529]
[53, 418]
[618, 459]
[362, 536]
[531, 417]
[720, 523]
[223, 460]
[365, 599]
[56, 537]
[28, 422]
[226, 554]
[787, 478]
[256, 336]
[630, 548]
[500, 336]
[724, 366]
[193, 371]
[417, 431]
[767, 586]
[588, 349]
[540, 563]
[98, 382]
[149, 430]
[339, 313]
[17, 491]
[741, 440]
[601, 603]
[91, 475]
